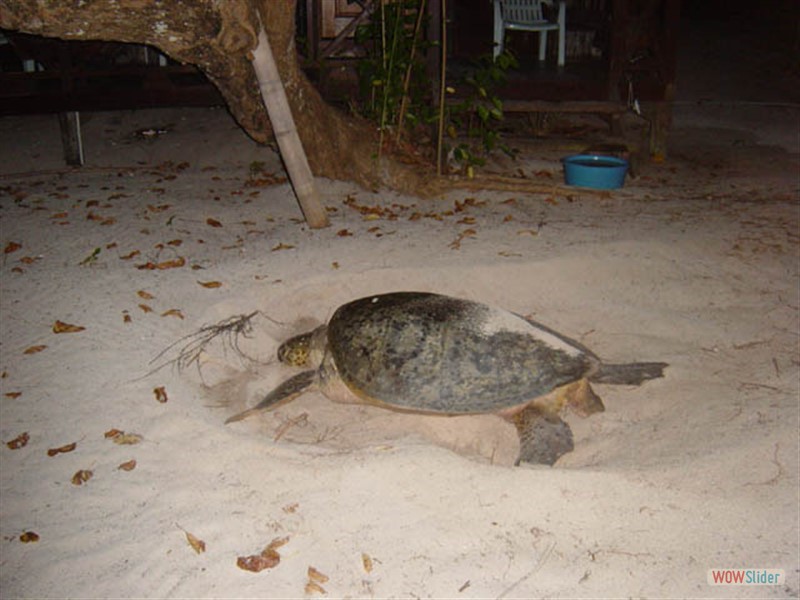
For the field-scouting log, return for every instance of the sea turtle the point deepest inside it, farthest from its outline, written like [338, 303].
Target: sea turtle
[428, 353]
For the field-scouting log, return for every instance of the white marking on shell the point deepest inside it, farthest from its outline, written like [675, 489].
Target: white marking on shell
[496, 320]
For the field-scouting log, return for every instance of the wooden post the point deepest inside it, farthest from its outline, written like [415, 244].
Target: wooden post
[283, 125]
[70, 123]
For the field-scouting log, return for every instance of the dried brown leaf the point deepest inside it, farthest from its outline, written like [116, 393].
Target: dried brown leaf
[34, 349]
[315, 575]
[172, 312]
[127, 439]
[313, 587]
[213, 222]
[256, 562]
[366, 560]
[145, 308]
[62, 449]
[112, 433]
[128, 465]
[19, 442]
[12, 395]
[61, 327]
[167, 264]
[344, 233]
[145, 295]
[282, 246]
[81, 477]
[131, 255]
[210, 284]
[160, 394]
[11, 247]
[28, 537]
[197, 544]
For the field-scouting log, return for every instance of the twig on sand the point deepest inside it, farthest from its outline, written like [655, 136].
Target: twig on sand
[300, 419]
[536, 568]
[194, 344]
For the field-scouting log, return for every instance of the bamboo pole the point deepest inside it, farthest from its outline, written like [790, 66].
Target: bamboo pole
[285, 130]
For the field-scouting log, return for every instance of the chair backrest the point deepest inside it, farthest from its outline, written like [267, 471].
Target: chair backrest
[523, 11]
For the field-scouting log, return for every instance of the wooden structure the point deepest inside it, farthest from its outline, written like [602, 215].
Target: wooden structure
[618, 52]
[79, 76]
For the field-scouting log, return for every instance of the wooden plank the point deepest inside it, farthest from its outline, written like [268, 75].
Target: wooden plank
[285, 130]
[577, 106]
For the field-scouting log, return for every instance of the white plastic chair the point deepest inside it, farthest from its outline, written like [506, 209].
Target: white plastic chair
[527, 15]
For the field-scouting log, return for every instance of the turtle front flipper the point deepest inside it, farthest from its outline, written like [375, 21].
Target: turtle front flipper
[288, 390]
[543, 438]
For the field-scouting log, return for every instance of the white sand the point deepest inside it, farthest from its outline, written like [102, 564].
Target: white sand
[695, 264]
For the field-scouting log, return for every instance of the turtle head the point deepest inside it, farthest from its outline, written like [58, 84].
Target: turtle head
[303, 350]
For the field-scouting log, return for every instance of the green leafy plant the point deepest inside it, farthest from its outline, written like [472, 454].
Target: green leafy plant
[396, 92]
[478, 114]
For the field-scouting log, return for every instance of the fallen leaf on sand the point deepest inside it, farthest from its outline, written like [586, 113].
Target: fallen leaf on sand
[128, 466]
[196, 543]
[161, 394]
[268, 558]
[366, 560]
[28, 537]
[167, 264]
[130, 255]
[256, 562]
[172, 312]
[145, 295]
[12, 395]
[312, 587]
[62, 449]
[314, 575]
[213, 222]
[145, 308]
[11, 247]
[34, 349]
[210, 284]
[19, 442]
[456, 244]
[282, 246]
[122, 438]
[127, 439]
[81, 477]
[61, 327]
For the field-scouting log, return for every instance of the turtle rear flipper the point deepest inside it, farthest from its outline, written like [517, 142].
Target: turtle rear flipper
[286, 391]
[543, 439]
[628, 373]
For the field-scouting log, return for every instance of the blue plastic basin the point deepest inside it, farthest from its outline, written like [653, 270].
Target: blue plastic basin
[598, 172]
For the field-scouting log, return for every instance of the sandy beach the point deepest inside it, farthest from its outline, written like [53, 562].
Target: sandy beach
[694, 263]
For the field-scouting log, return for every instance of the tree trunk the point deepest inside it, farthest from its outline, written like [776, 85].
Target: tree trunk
[218, 37]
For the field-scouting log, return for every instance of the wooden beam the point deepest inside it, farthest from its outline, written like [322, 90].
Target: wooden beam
[285, 130]
[70, 123]
[577, 106]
